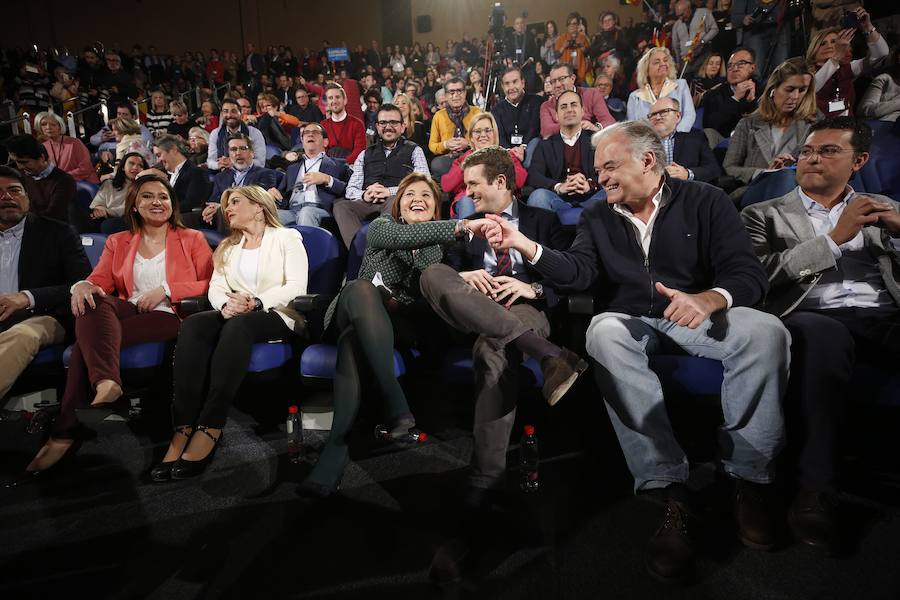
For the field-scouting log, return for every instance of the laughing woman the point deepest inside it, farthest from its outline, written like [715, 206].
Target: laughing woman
[258, 271]
[382, 309]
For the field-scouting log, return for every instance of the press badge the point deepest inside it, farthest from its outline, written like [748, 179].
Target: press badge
[836, 105]
[516, 140]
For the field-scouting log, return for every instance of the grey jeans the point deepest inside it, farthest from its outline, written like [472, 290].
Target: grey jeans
[754, 349]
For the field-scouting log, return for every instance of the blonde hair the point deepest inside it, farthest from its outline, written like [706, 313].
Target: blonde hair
[643, 66]
[484, 116]
[255, 195]
[39, 120]
[125, 126]
[806, 110]
[816, 42]
[410, 124]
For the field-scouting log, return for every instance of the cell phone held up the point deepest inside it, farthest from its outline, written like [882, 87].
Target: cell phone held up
[850, 20]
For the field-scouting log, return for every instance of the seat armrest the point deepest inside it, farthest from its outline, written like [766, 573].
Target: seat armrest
[309, 303]
[194, 304]
[581, 304]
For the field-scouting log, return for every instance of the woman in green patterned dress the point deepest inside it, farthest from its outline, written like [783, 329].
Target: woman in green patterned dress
[381, 306]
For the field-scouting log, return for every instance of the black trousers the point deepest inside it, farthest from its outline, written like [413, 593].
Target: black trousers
[826, 345]
[211, 359]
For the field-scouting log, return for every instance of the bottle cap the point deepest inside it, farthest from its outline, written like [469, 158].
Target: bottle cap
[529, 430]
[292, 410]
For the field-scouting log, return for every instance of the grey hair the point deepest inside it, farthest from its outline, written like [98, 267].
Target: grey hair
[39, 119]
[167, 142]
[642, 137]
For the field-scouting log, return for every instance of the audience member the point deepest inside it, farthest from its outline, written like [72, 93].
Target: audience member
[67, 153]
[830, 56]
[380, 310]
[448, 127]
[303, 109]
[692, 33]
[595, 114]
[770, 137]
[710, 74]
[655, 79]
[518, 115]
[413, 127]
[243, 172]
[482, 133]
[129, 298]
[218, 157]
[108, 206]
[562, 169]
[310, 186]
[687, 153]
[882, 98]
[346, 133]
[258, 271]
[831, 255]
[549, 55]
[273, 123]
[180, 124]
[127, 133]
[159, 117]
[376, 174]
[764, 31]
[191, 183]
[105, 138]
[520, 45]
[198, 143]
[51, 191]
[499, 297]
[572, 47]
[41, 258]
[725, 105]
[700, 299]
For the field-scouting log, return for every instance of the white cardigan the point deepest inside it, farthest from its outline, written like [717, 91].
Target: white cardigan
[282, 274]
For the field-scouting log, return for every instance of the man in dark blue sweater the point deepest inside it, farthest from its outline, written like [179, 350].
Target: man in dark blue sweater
[671, 264]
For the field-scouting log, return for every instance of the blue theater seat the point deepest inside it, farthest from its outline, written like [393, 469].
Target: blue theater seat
[570, 216]
[457, 368]
[698, 121]
[93, 244]
[767, 186]
[49, 355]
[688, 375]
[139, 356]
[213, 237]
[85, 192]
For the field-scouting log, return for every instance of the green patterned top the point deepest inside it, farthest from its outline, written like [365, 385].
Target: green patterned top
[400, 252]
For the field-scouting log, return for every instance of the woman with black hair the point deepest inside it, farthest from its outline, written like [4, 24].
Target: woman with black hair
[108, 205]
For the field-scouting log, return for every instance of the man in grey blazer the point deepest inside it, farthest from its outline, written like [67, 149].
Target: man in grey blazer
[832, 257]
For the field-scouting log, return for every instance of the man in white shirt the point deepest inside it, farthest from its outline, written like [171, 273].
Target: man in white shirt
[832, 256]
[217, 157]
[311, 185]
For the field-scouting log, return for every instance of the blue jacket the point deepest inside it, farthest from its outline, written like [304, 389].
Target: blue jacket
[264, 178]
[335, 167]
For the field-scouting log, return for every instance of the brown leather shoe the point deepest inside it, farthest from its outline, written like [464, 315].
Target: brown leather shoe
[669, 555]
[813, 519]
[560, 372]
[753, 510]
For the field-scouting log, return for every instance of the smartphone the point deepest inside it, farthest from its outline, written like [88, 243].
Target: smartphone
[850, 20]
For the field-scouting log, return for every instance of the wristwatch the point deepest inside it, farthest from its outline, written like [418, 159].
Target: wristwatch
[257, 305]
[538, 290]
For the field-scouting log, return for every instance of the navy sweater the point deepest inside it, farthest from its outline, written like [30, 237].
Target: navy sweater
[698, 242]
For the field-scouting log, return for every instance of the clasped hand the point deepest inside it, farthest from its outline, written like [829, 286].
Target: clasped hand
[238, 304]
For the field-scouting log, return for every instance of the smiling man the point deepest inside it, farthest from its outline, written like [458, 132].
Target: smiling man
[243, 170]
[832, 256]
[217, 157]
[692, 287]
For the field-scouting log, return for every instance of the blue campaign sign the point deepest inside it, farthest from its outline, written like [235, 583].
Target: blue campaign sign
[337, 54]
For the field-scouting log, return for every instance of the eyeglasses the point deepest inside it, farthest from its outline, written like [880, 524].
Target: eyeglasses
[455, 92]
[392, 123]
[560, 79]
[485, 131]
[660, 113]
[738, 65]
[824, 151]
[235, 149]
[14, 192]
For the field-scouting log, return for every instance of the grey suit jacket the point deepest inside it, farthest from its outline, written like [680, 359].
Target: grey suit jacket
[752, 148]
[795, 257]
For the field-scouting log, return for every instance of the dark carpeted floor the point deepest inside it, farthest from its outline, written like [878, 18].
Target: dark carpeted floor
[99, 528]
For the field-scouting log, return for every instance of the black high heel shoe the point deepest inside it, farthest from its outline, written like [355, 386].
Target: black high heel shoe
[185, 469]
[404, 436]
[26, 477]
[95, 414]
[163, 471]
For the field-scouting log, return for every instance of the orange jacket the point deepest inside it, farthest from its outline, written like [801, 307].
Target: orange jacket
[188, 264]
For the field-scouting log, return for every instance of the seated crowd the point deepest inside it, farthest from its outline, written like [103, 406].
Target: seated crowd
[469, 202]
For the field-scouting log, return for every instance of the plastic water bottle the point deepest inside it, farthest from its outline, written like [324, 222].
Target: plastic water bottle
[294, 428]
[528, 461]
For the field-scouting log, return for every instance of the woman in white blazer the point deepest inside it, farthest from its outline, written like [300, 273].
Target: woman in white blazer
[258, 271]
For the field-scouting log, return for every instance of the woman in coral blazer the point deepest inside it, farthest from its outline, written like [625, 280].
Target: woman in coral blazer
[129, 298]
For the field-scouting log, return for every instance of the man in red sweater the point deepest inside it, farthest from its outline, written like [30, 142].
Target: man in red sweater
[346, 133]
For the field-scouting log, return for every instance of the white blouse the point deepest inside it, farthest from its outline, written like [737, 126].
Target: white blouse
[249, 266]
[149, 274]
